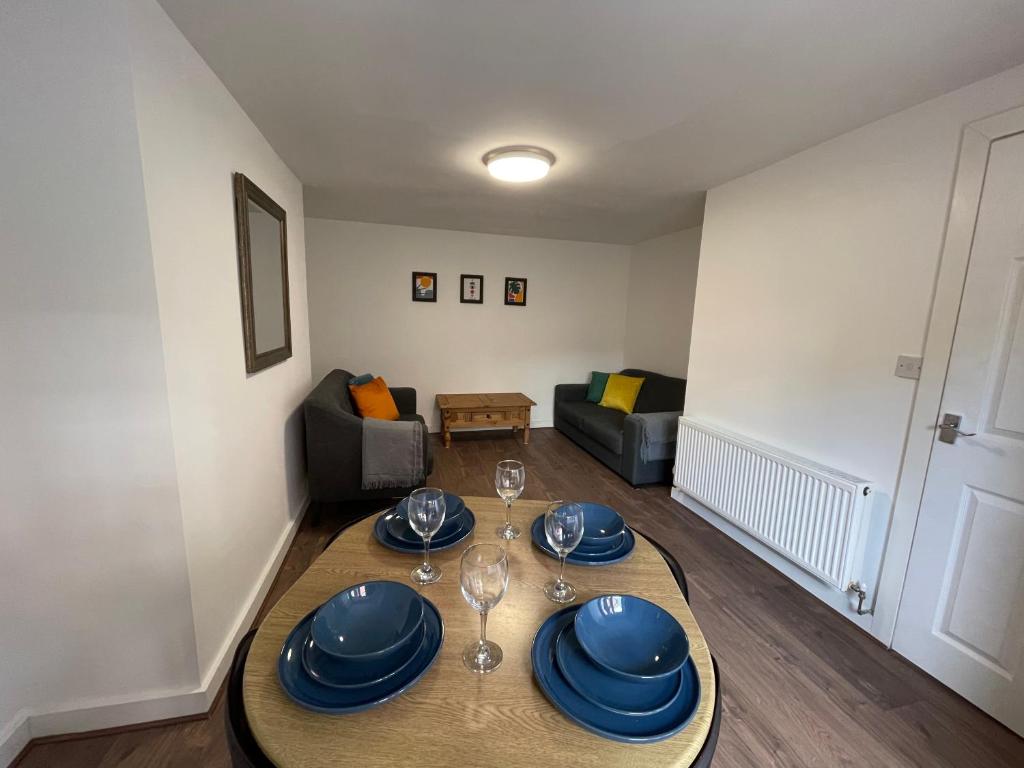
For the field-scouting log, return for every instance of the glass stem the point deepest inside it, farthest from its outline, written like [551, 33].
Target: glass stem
[426, 554]
[561, 569]
[483, 627]
[508, 513]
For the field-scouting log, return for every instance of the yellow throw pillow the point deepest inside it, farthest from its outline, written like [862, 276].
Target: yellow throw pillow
[373, 400]
[621, 392]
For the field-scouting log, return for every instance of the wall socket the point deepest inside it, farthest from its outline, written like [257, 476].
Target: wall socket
[909, 366]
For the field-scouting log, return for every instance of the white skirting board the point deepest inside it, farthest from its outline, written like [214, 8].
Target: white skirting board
[844, 604]
[13, 738]
[157, 705]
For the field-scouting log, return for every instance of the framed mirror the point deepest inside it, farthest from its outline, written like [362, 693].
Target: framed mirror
[262, 237]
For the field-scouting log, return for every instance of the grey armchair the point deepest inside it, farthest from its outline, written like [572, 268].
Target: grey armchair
[334, 441]
[639, 446]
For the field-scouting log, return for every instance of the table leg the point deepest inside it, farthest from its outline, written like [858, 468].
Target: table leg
[446, 432]
[526, 428]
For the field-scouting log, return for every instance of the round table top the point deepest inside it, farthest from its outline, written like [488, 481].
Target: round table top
[453, 717]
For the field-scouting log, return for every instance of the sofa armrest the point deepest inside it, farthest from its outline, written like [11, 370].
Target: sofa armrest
[650, 436]
[405, 399]
[570, 393]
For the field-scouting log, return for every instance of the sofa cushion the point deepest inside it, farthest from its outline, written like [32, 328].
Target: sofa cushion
[659, 393]
[621, 392]
[374, 400]
[598, 382]
[604, 425]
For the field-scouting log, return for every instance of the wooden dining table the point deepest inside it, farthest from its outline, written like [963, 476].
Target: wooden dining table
[454, 717]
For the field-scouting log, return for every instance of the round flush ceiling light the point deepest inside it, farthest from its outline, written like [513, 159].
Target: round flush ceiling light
[518, 164]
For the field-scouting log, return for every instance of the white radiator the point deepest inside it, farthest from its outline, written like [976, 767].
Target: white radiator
[811, 514]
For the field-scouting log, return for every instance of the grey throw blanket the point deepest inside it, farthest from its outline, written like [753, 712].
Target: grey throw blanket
[658, 434]
[392, 454]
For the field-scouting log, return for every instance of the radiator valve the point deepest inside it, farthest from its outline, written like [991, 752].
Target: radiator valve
[859, 589]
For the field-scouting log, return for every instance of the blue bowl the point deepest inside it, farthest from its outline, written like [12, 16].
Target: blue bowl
[630, 729]
[608, 691]
[592, 548]
[370, 625]
[631, 637]
[398, 526]
[601, 524]
[342, 673]
[453, 506]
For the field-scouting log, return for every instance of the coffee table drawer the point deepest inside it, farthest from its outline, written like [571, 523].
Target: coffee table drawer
[489, 416]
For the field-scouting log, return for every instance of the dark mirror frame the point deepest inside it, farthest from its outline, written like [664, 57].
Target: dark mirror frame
[246, 191]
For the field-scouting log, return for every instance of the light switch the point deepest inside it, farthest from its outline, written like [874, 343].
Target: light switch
[908, 366]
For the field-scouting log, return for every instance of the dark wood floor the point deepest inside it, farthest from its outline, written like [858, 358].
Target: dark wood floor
[803, 687]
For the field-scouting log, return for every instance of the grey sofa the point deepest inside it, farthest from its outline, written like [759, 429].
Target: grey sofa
[640, 446]
[334, 441]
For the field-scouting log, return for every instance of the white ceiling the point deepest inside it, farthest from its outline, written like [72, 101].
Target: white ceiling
[383, 108]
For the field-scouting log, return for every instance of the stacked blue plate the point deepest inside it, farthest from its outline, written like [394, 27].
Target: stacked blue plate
[362, 648]
[392, 528]
[620, 667]
[606, 537]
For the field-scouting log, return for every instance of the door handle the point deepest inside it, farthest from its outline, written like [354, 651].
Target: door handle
[949, 428]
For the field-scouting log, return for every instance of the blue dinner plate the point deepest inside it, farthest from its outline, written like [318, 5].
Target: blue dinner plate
[380, 531]
[634, 729]
[399, 528]
[616, 555]
[308, 693]
[624, 697]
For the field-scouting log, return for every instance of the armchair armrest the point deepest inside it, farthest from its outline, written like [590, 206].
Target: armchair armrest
[405, 399]
[334, 449]
[570, 393]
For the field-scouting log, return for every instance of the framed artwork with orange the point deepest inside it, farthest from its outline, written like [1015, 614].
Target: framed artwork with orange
[424, 286]
[515, 291]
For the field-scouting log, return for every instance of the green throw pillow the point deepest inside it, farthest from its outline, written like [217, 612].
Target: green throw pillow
[598, 381]
[357, 381]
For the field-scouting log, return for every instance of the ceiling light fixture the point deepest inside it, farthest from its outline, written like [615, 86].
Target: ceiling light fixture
[519, 164]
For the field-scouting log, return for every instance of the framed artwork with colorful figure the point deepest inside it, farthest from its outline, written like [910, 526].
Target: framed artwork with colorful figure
[515, 291]
[472, 290]
[424, 286]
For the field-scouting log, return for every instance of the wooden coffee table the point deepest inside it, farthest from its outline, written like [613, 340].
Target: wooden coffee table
[483, 411]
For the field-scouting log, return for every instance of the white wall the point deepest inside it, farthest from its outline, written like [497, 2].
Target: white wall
[94, 589]
[815, 273]
[149, 486]
[237, 438]
[364, 320]
[662, 282]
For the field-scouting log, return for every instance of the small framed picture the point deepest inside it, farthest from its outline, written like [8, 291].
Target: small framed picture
[424, 286]
[515, 291]
[472, 291]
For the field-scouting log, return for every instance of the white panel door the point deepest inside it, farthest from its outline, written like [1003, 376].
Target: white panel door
[962, 614]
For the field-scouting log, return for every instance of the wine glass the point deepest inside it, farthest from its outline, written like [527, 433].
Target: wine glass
[484, 578]
[509, 480]
[563, 526]
[426, 513]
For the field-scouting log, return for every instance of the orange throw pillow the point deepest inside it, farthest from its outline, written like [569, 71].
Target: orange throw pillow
[374, 401]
